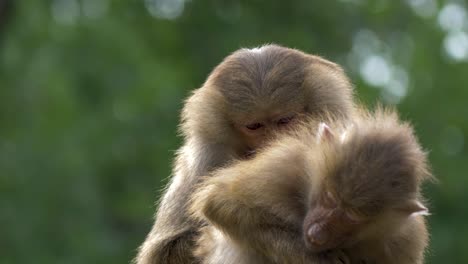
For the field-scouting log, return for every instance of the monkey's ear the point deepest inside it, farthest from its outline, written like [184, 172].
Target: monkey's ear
[324, 133]
[414, 207]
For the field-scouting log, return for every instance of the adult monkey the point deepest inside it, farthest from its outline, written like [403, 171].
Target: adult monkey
[249, 96]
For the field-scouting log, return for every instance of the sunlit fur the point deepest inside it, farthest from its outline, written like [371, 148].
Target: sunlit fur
[256, 210]
[376, 174]
[247, 84]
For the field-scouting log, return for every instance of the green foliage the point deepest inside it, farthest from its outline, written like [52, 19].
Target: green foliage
[90, 94]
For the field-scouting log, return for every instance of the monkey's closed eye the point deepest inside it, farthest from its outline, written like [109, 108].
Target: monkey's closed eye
[285, 120]
[254, 126]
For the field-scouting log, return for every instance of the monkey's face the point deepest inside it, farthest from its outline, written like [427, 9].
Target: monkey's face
[328, 224]
[264, 89]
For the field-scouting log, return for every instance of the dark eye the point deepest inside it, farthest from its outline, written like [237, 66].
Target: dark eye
[285, 120]
[254, 126]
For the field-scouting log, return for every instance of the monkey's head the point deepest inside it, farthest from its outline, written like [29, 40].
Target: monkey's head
[373, 177]
[255, 92]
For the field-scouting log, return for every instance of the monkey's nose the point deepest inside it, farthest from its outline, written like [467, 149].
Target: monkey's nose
[317, 236]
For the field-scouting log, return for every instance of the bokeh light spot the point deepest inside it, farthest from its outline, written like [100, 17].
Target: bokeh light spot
[423, 8]
[365, 42]
[165, 9]
[375, 70]
[452, 17]
[397, 88]
[95, 9]
[456, 45]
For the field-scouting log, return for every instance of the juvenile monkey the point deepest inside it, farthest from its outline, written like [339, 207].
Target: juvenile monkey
[249, 96]
[351, 197]
[368, 201]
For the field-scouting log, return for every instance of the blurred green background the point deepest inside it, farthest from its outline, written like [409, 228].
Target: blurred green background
[91, 90]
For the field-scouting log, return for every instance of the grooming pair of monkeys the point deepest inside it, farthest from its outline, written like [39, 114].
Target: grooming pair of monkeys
[279, 165]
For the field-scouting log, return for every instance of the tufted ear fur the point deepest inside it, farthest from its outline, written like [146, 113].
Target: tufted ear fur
[413, 207]
[324, 133]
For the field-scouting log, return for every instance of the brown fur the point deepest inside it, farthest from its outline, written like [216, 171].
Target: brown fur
[259, 210]
[256, 209]
[375, 174]
[247, 83]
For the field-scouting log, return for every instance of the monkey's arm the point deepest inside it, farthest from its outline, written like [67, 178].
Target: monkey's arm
[171, 237]
[259, 204]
